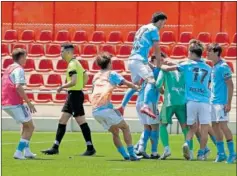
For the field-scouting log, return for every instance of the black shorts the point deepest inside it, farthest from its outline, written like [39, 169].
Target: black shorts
[74, 103]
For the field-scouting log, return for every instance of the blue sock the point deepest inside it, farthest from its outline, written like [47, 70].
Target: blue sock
[201, 152]
[147, 134]
[189, 143]
[220, 147]
[213, 138]
[122, 151]
[154, 138]
[230, 146]
[131, 150]
[22, 144]
[148, 93]
[128, 95]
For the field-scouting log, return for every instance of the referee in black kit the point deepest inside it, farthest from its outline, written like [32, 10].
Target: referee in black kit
[76, 79]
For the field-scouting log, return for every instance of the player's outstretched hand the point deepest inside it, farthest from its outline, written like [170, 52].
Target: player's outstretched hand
[32, 107]
[227, 108]
[59, 89]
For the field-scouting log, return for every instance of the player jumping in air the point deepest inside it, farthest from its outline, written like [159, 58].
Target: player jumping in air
[146, 37]
[13, 95]
[104, 82]
[221, 97]
[197, 77]
[151, 126]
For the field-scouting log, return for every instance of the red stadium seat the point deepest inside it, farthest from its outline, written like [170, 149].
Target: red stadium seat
[76, 51]
[45, 37]
[30, 96]
[115, 37]
[80, 37]
[167, 38]
[19, 45]
[6, 63]
[222, 38]
[84, 64]
[127, 77]
[61, 66]
[231, 53]
[108, 48]
[95, 67]
[124, 51]
[54, 80]
[60, 98]
[230, 64]
[86, 98]
[35, 80]
[53, 50]
[90, 79]
[45, 65]
[116, 99]
[185, 37]
[27, 36]
[133, 100]
[234, 41]
[179, 52]
[130, 37]
[165, 49]
[204, 37]
[118, 65]
[98, 37]
[36, 50]
[10, 36]
[89, 51]
[30, 65]
[161, 100]
[44, 97]
[4, 49]
[62, 37]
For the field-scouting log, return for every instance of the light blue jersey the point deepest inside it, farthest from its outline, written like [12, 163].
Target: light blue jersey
[220, 73]
[197, 78]
[156, 93]
[144, 40]
[115, 79]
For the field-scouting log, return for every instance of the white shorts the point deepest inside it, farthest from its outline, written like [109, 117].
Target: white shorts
[108, 117]
[21, 113]
[145, 119]
[138, 69]
[198, 112]
[218, 113]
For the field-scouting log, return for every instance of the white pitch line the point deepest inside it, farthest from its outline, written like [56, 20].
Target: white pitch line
[11, 143]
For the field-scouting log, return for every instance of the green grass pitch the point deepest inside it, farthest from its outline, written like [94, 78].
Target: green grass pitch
[107, 161]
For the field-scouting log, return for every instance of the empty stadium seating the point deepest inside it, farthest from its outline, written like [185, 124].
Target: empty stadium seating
[35, 80]
[36, 50]
[124, 51]
[115, 37]
[222, 38]
[61, 66]
[167, 38]
[54, 80]
[80, 37]
[89, 51]
[179, 52]
[98, 37]
[108, 48]
[27, 36]
[45, 65]
[4, 49]
[204, 37]
[231, 53]
[10, 36]
[130, 37]
[45, 37]
[30, 65]
[53, 50]
[62, 37]
[185, 37]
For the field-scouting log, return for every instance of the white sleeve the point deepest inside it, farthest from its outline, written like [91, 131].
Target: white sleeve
[19, 76]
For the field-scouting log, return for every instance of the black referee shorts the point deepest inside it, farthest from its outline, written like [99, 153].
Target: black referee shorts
[74, 103]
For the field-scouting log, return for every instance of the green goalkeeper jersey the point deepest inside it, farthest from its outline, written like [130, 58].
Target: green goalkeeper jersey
[174, 86]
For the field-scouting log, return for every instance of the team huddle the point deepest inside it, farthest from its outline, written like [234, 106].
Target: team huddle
[197, 94]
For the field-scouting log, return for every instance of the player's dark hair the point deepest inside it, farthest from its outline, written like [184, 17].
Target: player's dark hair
[153, 57]
[103, 60]
[67, 46]
[158, 16]
[196, 48]
[215, 47]
[18, 53]
[198, 42]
